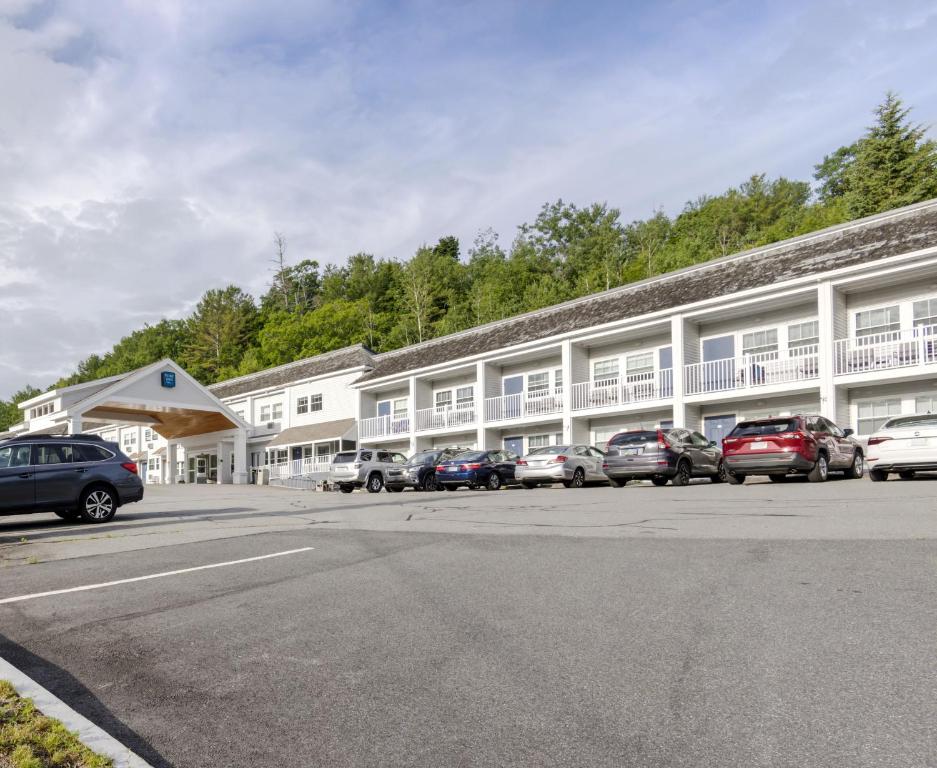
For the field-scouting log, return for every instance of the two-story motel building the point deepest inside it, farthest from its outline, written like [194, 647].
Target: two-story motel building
[842, 321]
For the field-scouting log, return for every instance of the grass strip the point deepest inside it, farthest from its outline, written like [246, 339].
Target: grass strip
[29, 739]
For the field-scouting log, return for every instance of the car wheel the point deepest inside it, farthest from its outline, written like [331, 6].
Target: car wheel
[857, 468]
[494, 482]
[735, 478]
[909, 475]
[778, 478]
[878, 475]
[98, 505]
[451, 487]
[659, 480]
[720, 476]
[529, 486]
[429, 482]
[820, 471]
[68, 514]
[579, 479]
[683, 473]
[375, 483]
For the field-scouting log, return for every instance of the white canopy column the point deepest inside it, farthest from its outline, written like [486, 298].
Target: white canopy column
[240, 476]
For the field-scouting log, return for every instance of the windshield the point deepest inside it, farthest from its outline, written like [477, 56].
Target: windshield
[918, 420]
[767, 427]
[634, 438]
[344, 458]
[418, 459]
[471, 456]
[550, 449]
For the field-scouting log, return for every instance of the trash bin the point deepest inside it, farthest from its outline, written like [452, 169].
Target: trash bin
[262, 476]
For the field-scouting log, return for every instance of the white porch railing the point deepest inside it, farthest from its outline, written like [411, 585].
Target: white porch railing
[655, 385]
[444, 418]
[381, 426]
[763, 369]
[300, 467]
[881, 351]
[522, 404]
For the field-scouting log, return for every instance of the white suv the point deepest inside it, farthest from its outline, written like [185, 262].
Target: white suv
[369, 468]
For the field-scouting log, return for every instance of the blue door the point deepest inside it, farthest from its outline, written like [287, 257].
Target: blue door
[515, 445]
[717, 427]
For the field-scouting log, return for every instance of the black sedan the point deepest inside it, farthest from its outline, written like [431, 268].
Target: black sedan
[477, 469]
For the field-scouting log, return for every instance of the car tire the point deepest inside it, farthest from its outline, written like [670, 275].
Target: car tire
[857, 469]
[820, 471]
[659, 480]
[617, 483]
[98, 504]
[68, 514]
[429, 482]
[494, 482]
[346, 488]
[375, 483]
[579, 479]
[878, 475]
[720, 476]
[735, 478]
[529, 486]
[683, 474]
[909, 475]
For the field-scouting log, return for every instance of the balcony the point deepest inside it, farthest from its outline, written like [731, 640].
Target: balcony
[753, 371]
[636, 388]
[520, 405]
[383, 426]
[445, 417]
[885, 351]
[301, 467]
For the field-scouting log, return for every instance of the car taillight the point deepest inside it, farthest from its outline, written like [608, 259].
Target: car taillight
[605, 465]
[440, 468]
[878, 440]
[470, 466]
[130, 466]
[521, 463]
[558, 460]
[661, 440]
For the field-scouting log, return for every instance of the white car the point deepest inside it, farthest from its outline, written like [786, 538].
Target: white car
[571, 465]
[904, 444]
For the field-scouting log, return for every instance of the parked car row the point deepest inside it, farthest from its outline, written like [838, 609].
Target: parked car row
[808, 445]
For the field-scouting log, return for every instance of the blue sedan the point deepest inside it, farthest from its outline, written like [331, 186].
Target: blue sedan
[477, 469]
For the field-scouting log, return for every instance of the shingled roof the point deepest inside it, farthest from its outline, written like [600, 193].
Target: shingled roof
[857, 242]
[356, 356]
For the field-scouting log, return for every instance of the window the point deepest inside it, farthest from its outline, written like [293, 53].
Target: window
[148, 436]
[265, 413]
[54, 454]
[925, 404]
[803, 334]
[759, 342]
[465, 397]
[874, 413]
[14, 456]
[277, 411]
[605, 372]
[538, 441]
[872, 321]
[151, 464]
[315, 402]
[302, 405]
[130, 438]
[90, 453]
[538, 383]
[925, 314]
[444, 400]
[558, 381]
[400, 408]
[41, 410]
[638, 365]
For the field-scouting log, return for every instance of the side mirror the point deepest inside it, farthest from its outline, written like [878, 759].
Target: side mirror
[847, 432]
[713, 444]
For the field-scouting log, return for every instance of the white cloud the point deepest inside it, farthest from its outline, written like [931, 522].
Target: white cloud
[149, 150]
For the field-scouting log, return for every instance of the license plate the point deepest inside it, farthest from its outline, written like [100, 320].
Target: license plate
[631, 451]
[758, 445]
[452, 469]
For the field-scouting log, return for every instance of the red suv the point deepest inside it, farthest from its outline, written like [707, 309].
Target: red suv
[791, 445]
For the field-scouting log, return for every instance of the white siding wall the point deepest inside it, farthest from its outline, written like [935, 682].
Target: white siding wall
[904, 295]
[338, 400]
[779, 319]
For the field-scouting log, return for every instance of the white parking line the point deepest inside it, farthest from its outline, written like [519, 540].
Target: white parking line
[86, 587]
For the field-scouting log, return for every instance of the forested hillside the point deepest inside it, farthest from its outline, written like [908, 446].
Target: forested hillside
[566, 252]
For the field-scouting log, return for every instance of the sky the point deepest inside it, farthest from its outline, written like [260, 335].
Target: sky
[149, 149]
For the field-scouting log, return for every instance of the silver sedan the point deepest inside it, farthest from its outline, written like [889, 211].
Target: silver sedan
[571, 465]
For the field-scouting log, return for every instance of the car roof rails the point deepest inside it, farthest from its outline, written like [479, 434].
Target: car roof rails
[36, 437]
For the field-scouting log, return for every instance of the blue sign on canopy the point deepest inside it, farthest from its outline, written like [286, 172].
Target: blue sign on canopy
[169, 379]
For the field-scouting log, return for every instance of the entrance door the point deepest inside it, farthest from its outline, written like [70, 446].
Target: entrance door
[383, 408]
[719, 376]
[717, 427]
[512, 388]
[514, 445]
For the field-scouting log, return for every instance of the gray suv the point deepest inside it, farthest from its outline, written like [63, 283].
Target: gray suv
[371, 468]
[78, 478]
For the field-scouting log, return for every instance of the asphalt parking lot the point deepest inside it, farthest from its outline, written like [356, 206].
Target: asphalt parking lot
[762, 625]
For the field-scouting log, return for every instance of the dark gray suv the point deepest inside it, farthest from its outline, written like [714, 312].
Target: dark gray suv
[78, 478]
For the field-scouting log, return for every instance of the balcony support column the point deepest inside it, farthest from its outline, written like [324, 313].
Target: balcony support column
[481, 392]
[566, 365]
[411, 413]
[678, 341]
[826, 315]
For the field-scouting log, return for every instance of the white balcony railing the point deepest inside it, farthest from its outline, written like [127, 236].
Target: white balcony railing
[445, 417]
[300, 467]
[881, 351]
[382, 426]
[523, 404]
[636, 388]
[763, 369]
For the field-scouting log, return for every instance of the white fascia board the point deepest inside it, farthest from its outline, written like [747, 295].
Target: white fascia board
[779, 290]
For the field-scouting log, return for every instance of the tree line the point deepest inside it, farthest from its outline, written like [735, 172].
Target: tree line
[568, 251]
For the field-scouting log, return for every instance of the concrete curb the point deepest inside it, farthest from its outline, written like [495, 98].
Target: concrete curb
[51, 706]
